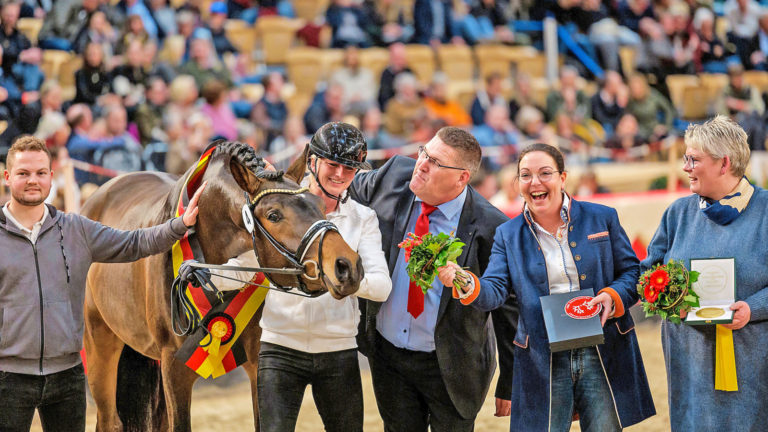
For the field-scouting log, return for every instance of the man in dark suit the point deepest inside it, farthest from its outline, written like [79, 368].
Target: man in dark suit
[432, 359]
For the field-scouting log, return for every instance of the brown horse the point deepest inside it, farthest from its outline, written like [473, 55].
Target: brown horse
[127, 307]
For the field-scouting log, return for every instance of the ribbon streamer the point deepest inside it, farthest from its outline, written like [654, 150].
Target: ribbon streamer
[725, 360]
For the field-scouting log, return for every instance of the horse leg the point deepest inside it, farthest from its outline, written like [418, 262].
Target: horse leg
[103, 350]
[251, 368]
[177, 385]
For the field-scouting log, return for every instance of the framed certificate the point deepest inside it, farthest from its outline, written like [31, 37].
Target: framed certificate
[716, 288]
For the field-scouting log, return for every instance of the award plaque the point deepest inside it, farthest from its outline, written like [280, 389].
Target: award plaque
[570, 323]
[716, 288]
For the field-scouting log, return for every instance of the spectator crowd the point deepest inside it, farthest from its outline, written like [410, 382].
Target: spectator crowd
[147, 84]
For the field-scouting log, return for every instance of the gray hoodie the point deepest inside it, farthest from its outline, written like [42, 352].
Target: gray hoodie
[42, 286]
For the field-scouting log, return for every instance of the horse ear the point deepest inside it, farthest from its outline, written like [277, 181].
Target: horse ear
[244, 177]
[299, 166]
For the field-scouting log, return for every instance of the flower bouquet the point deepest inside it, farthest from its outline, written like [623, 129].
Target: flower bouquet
[425, 254]
[666, 290]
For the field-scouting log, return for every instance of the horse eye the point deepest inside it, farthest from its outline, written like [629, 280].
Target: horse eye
[274, 216]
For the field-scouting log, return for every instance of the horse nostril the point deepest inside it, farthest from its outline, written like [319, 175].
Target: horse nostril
[343, 269]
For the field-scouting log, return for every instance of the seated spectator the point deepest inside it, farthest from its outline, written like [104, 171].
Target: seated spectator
[358, 83]
[218, 110]
[99, 31]
[203, 64]
[371, 127]
[604, 32]
[49, 100]
[440, 107]
[183, 97]
[216, 20]
[68, 23]
[131, 72]
[759, 57]
[743, 23]
[632, 12]
[530, 122]
[92, 81]
[153, 66]
[523, 95]
[138, 8]
[609, 102]
[588, 185]
[499, 132]
[10, 94]
[124, 153]
[286, 147]
[81, 144]
[405, 112]
[187, 138]
[486, 22]
[326, 108]
[670, 46]
[486, 97]
[626, 145]
[270, 112]
[165, 17]
[508, 198]
[739, 99]
[149, 115]
[397, 65]
[569, 99]
[572, 140]
[348, 24]
[53, 129]
[433, 22]
[484, 182]
[389, 21]
[133, 31]
[654, 113]
[11, 39]
[710, 55]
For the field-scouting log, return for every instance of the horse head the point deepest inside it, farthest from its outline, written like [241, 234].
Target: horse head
[280, 209]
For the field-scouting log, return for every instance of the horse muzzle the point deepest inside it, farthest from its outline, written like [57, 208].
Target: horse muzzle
[349, 275]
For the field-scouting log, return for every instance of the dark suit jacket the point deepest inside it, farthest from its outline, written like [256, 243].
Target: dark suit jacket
[464, 338]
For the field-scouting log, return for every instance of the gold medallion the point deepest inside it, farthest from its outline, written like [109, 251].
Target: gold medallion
[709, 312]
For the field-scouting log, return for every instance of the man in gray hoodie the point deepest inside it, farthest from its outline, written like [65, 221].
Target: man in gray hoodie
[44, 259]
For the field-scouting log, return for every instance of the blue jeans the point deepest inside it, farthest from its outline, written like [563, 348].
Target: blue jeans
[59, 399]
[579, 385]
[284, 374]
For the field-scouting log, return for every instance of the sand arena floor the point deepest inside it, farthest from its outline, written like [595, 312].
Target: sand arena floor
[226, 405]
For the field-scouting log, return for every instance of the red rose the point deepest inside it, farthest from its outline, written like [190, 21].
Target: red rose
[659, 279]
[651, 295]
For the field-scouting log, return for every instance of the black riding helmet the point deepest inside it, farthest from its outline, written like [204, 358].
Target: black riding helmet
[341, 143]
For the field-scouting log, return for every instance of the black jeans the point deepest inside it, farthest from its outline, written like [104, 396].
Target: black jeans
[410, 391]
[284, 374]
[59, 399]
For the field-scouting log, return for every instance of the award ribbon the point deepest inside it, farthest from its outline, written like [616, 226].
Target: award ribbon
[725, 360]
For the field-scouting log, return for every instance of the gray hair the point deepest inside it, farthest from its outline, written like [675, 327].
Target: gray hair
[721, 137]
[405, 79]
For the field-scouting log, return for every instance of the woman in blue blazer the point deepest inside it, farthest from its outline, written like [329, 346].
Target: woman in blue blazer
[558, 245]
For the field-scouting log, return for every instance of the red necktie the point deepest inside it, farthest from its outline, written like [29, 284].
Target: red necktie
[415, 295]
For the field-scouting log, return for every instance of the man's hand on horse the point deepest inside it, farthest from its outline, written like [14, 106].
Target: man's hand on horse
[190, 216]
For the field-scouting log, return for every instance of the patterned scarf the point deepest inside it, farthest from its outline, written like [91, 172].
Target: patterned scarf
[727, 209]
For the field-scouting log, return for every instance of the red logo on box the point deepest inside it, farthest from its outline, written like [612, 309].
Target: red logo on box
[577, 308]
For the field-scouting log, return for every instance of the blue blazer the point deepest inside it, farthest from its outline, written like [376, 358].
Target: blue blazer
[604, 258]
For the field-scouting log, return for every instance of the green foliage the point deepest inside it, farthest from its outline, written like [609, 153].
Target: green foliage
[675, 297]
[434, 252]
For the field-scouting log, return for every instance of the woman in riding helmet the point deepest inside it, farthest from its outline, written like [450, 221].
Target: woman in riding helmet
[311, 341]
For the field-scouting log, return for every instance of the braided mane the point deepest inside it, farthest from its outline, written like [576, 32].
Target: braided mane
[246, 156]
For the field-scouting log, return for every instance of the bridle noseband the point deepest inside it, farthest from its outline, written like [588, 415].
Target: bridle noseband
[296, 259]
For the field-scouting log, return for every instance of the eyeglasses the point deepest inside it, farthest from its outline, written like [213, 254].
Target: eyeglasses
[689, 161]
[543, 176]
[432, 161]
